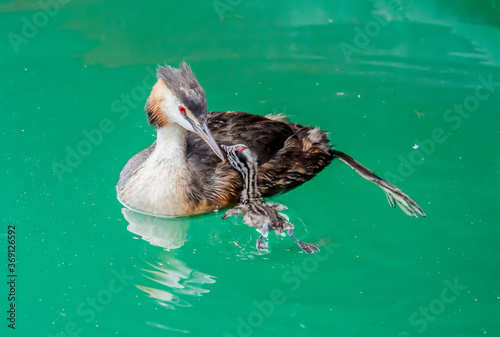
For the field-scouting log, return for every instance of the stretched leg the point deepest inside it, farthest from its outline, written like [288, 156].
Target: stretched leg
[238, 210]
[277, 207]
[306, 247]
[394, 194]
[261, 243]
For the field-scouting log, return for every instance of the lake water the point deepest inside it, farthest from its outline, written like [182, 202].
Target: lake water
[408, 88]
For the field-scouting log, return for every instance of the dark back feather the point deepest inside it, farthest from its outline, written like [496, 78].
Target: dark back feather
[287, 155]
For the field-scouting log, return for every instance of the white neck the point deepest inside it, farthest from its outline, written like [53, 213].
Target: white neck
[161, 183]
[171, 138]
[169, 155]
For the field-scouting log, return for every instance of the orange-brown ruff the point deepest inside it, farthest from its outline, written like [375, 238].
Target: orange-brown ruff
[182, 172]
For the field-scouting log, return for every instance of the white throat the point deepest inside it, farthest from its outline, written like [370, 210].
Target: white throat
[161, 182]
[172, 139]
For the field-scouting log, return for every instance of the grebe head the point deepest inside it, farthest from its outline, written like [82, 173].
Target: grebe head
[240, 157]
[177, 97]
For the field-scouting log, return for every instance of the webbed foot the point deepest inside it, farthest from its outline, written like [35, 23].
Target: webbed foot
[306, 247]
[261, 242]
[396, 196]
[235, 211]
[277, 207]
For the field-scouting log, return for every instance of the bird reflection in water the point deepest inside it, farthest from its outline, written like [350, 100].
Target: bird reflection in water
[173, 281]
[169, 233]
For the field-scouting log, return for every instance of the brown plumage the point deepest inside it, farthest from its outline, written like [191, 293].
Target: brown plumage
[184, 171]
[289, 155]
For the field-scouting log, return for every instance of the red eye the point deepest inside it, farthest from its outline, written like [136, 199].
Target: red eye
[240, 148]
[182, 110]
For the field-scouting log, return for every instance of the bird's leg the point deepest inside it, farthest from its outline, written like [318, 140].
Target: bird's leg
[277, 207]
[261, 243]
[235, 211]
[306, 247]
[394, 194]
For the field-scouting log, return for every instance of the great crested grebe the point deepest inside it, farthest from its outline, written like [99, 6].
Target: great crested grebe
[184, 172]
[255, 211]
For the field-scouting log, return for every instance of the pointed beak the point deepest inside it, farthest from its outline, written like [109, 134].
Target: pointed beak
[206, 135]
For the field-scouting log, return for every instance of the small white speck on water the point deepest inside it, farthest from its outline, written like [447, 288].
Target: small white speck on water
[317, 83]
[330, 20]
[415, 146]
[359, 96]
[236, 93]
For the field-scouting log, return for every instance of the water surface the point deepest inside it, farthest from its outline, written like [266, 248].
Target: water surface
[408, 88]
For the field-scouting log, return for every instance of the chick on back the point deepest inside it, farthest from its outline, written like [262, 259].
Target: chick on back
[255, 211]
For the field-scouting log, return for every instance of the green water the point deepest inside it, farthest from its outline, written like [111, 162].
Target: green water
[85, 267]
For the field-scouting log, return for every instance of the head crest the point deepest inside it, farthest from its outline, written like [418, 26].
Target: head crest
[184, 85]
